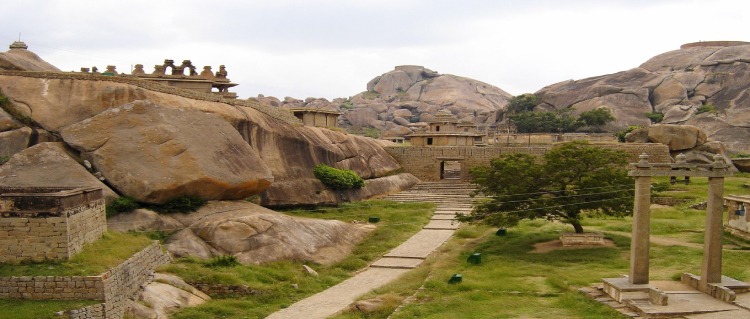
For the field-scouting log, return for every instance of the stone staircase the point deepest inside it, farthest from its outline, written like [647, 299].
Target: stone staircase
[456, 193]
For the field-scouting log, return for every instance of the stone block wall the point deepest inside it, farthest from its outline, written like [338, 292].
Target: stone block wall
[114, 287]
[90, 312]
[49, 223]
[125, 280]
[424, 162]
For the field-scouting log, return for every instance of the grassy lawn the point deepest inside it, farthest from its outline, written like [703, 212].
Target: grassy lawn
[283, 283]
[95, 258]
[25, 309]
[514, 282]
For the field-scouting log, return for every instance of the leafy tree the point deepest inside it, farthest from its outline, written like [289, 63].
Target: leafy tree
[570, 180]
[544, 122]
[523, 103]
[596, 118]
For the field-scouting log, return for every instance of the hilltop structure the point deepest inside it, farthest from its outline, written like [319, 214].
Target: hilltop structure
[172, 74]
[446, 130]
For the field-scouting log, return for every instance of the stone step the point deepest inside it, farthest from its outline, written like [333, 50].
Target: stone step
[442, 224]
[397, 263]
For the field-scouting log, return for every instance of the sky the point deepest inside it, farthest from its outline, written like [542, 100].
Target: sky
[332, 48]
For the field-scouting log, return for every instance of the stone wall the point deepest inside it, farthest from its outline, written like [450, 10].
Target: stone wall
[113, 287]
[425, 162]
[91, 312]
[273, 112]
[49, 223]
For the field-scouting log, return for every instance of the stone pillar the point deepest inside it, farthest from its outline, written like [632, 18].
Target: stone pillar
[711, 267]
[640, 240]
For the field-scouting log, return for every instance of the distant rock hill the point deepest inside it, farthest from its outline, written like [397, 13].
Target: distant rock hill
[706, 84]
[407, 95]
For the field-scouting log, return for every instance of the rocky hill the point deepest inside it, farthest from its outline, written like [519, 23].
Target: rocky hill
[705, 84]
[397, 101]
[154, 143]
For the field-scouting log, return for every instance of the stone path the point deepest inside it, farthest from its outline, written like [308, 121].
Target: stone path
[451, 199]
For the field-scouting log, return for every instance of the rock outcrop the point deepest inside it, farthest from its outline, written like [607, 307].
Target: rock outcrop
[703, 84]
[681, 139]
[169, 145]
[49, 165]
[154, 153]
[165, 295]
[250, 232]
[20, 59]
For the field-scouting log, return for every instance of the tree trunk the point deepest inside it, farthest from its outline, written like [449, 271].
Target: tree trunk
[577, 226]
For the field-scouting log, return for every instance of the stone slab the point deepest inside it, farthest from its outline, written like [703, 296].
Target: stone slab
[397, 262]
[330, 301]
[442, 224]
[682, 304]
[443, 217]
[421, 244]
[734, 314]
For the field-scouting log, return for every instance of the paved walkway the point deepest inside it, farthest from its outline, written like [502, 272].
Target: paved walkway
[398, 261]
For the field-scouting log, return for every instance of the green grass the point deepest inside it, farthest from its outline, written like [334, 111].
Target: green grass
[25, 309]
[95, 258]
[282, 283]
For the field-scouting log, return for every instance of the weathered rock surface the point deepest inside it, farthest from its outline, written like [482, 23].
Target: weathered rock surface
[14, 141]
[289, 152]
[154, 153]
[676, 84]
[257, 235]
[21, 59]
[48, 165]
[681, 139]
[165, 295]
[143, 220]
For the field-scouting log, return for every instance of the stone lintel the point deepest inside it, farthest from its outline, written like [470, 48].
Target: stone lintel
[51, 200]
[713, 173]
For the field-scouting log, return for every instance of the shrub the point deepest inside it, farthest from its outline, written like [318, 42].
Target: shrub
[182, 204]
[655, 117]
[4, 159]
[337, 178]
[706, 108]
[121, 205]
[621, 134]
[223, 261]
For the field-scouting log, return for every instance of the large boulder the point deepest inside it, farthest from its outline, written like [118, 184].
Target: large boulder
[155, 154]
[677, 137]
[48, 165]
[165, 295]
[14, 141]
[258, 235]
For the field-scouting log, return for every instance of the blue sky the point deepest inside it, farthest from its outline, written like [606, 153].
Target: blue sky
[332, 48]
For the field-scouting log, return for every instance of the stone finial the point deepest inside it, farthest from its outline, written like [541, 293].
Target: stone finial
[111, 69]
[138, 70]
[18, 45]
[681, 159]
[643, 159]
[94, 70]
[222, 73]
[85, 70]
[159, 70]
[207, 73]
[719, 162]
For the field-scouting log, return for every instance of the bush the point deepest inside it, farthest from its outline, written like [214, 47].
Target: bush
[121, 205]
[621, 134]
[706, 108]
[223, 261]
[655, 117]
[182, 204]
[4, 159]
[337, 178]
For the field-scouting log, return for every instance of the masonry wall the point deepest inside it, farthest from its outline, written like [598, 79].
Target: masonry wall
[113, 287]
[38, 237]
[424, 162]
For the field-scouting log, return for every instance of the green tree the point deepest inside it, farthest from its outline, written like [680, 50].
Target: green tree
[544, 122]
[571, 180]
[596, 118]
[523, 103]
